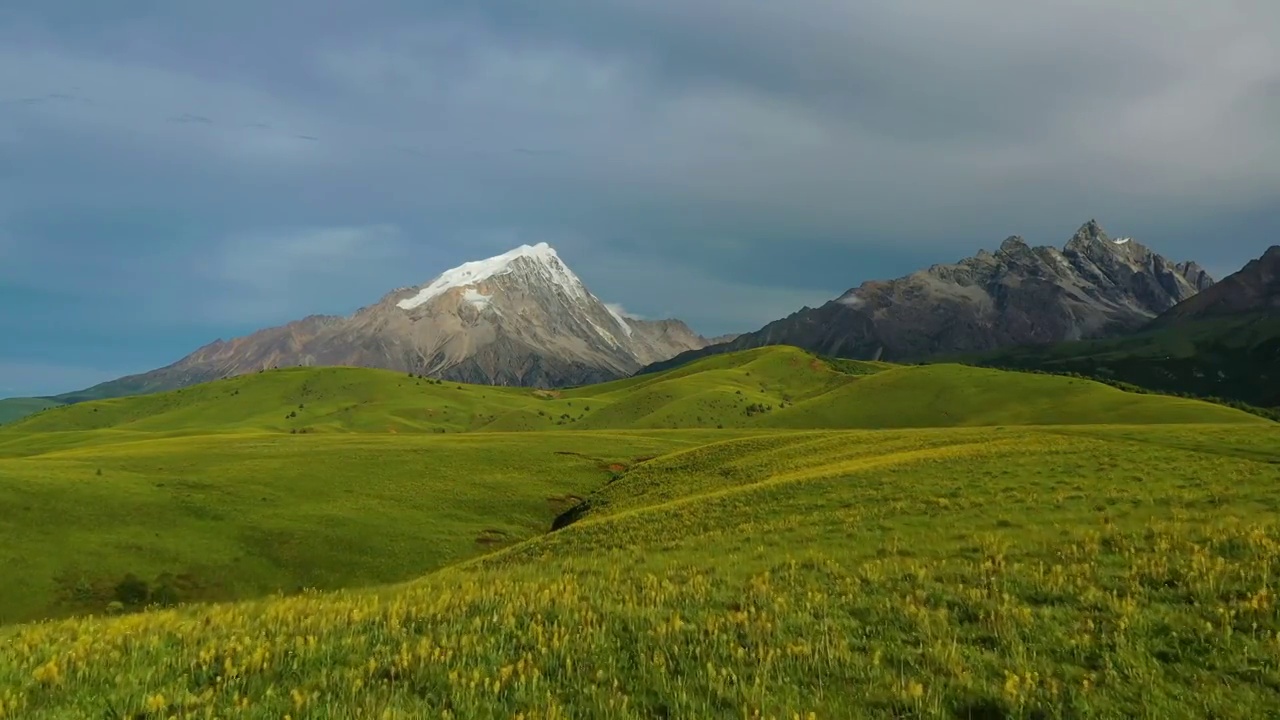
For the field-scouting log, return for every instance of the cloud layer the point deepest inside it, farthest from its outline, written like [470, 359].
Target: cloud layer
[175, 172]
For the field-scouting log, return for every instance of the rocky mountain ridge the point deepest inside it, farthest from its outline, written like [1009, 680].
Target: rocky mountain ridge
[1255, 288]
[1095, 286]
[1221, 343]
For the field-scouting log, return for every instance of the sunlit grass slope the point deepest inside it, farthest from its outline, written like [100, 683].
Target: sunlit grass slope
[959, 395]
[338, 477]
[775, 387]
[714, 391]
[315, 399]
[235, 516]
[1083, 572]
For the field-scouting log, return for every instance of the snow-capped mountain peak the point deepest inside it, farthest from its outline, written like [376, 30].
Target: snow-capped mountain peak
[540, 259]
[519, 318]
[526, 297]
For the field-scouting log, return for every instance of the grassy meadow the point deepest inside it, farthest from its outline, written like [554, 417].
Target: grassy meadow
[756, 535]
[232, 516]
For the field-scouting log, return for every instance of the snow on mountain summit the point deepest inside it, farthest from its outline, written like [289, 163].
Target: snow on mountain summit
[540, 259]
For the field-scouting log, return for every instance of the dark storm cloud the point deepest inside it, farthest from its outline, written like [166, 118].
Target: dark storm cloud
[218, 166]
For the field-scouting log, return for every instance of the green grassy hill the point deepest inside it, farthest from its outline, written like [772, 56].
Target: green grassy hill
[773, 387]
[233, 516]
[1083, 571]
[195, 491]
[316, 399]
[956, 395]
[761, 532]
[366, 400]
[12, 409]
[1234, 358]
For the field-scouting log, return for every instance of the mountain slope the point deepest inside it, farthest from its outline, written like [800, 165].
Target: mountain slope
[1095, 286]
[520, 318]
[1255, 289]
[1223, 342]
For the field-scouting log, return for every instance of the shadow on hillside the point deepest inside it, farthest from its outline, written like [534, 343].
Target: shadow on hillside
[571, 516]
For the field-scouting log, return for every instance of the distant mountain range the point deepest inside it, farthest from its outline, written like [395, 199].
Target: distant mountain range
[524, 318]
[1096, 286]
[1223, 343]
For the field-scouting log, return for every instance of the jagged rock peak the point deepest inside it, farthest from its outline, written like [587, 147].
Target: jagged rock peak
[1013, 243]
[1097, 287]
[1091, 236]
[1090, 231]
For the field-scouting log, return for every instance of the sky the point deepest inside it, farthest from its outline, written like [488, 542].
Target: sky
[172, 172]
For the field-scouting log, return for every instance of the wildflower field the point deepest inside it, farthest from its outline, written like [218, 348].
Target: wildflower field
[1027, 569]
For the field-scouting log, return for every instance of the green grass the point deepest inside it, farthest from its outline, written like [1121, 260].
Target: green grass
[956, 395]
[12, 409]
[241, 516]
[774, 387]
[1107, 571]
[314, 399]
[341, 477]
[856, 540]
[1231, 358]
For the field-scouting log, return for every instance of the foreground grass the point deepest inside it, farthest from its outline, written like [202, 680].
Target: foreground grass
[1070, 572]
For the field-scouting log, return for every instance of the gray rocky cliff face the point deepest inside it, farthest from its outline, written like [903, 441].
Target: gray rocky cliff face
[1095, 286]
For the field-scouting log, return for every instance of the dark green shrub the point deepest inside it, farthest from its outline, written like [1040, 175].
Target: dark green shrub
[132, 590]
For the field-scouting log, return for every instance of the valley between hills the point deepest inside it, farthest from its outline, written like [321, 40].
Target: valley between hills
[764, 533]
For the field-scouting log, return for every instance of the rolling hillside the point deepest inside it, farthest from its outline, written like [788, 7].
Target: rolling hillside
[770, 534]
[772, 387]
[1083, 571]
[231, 516]
[341, 477]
